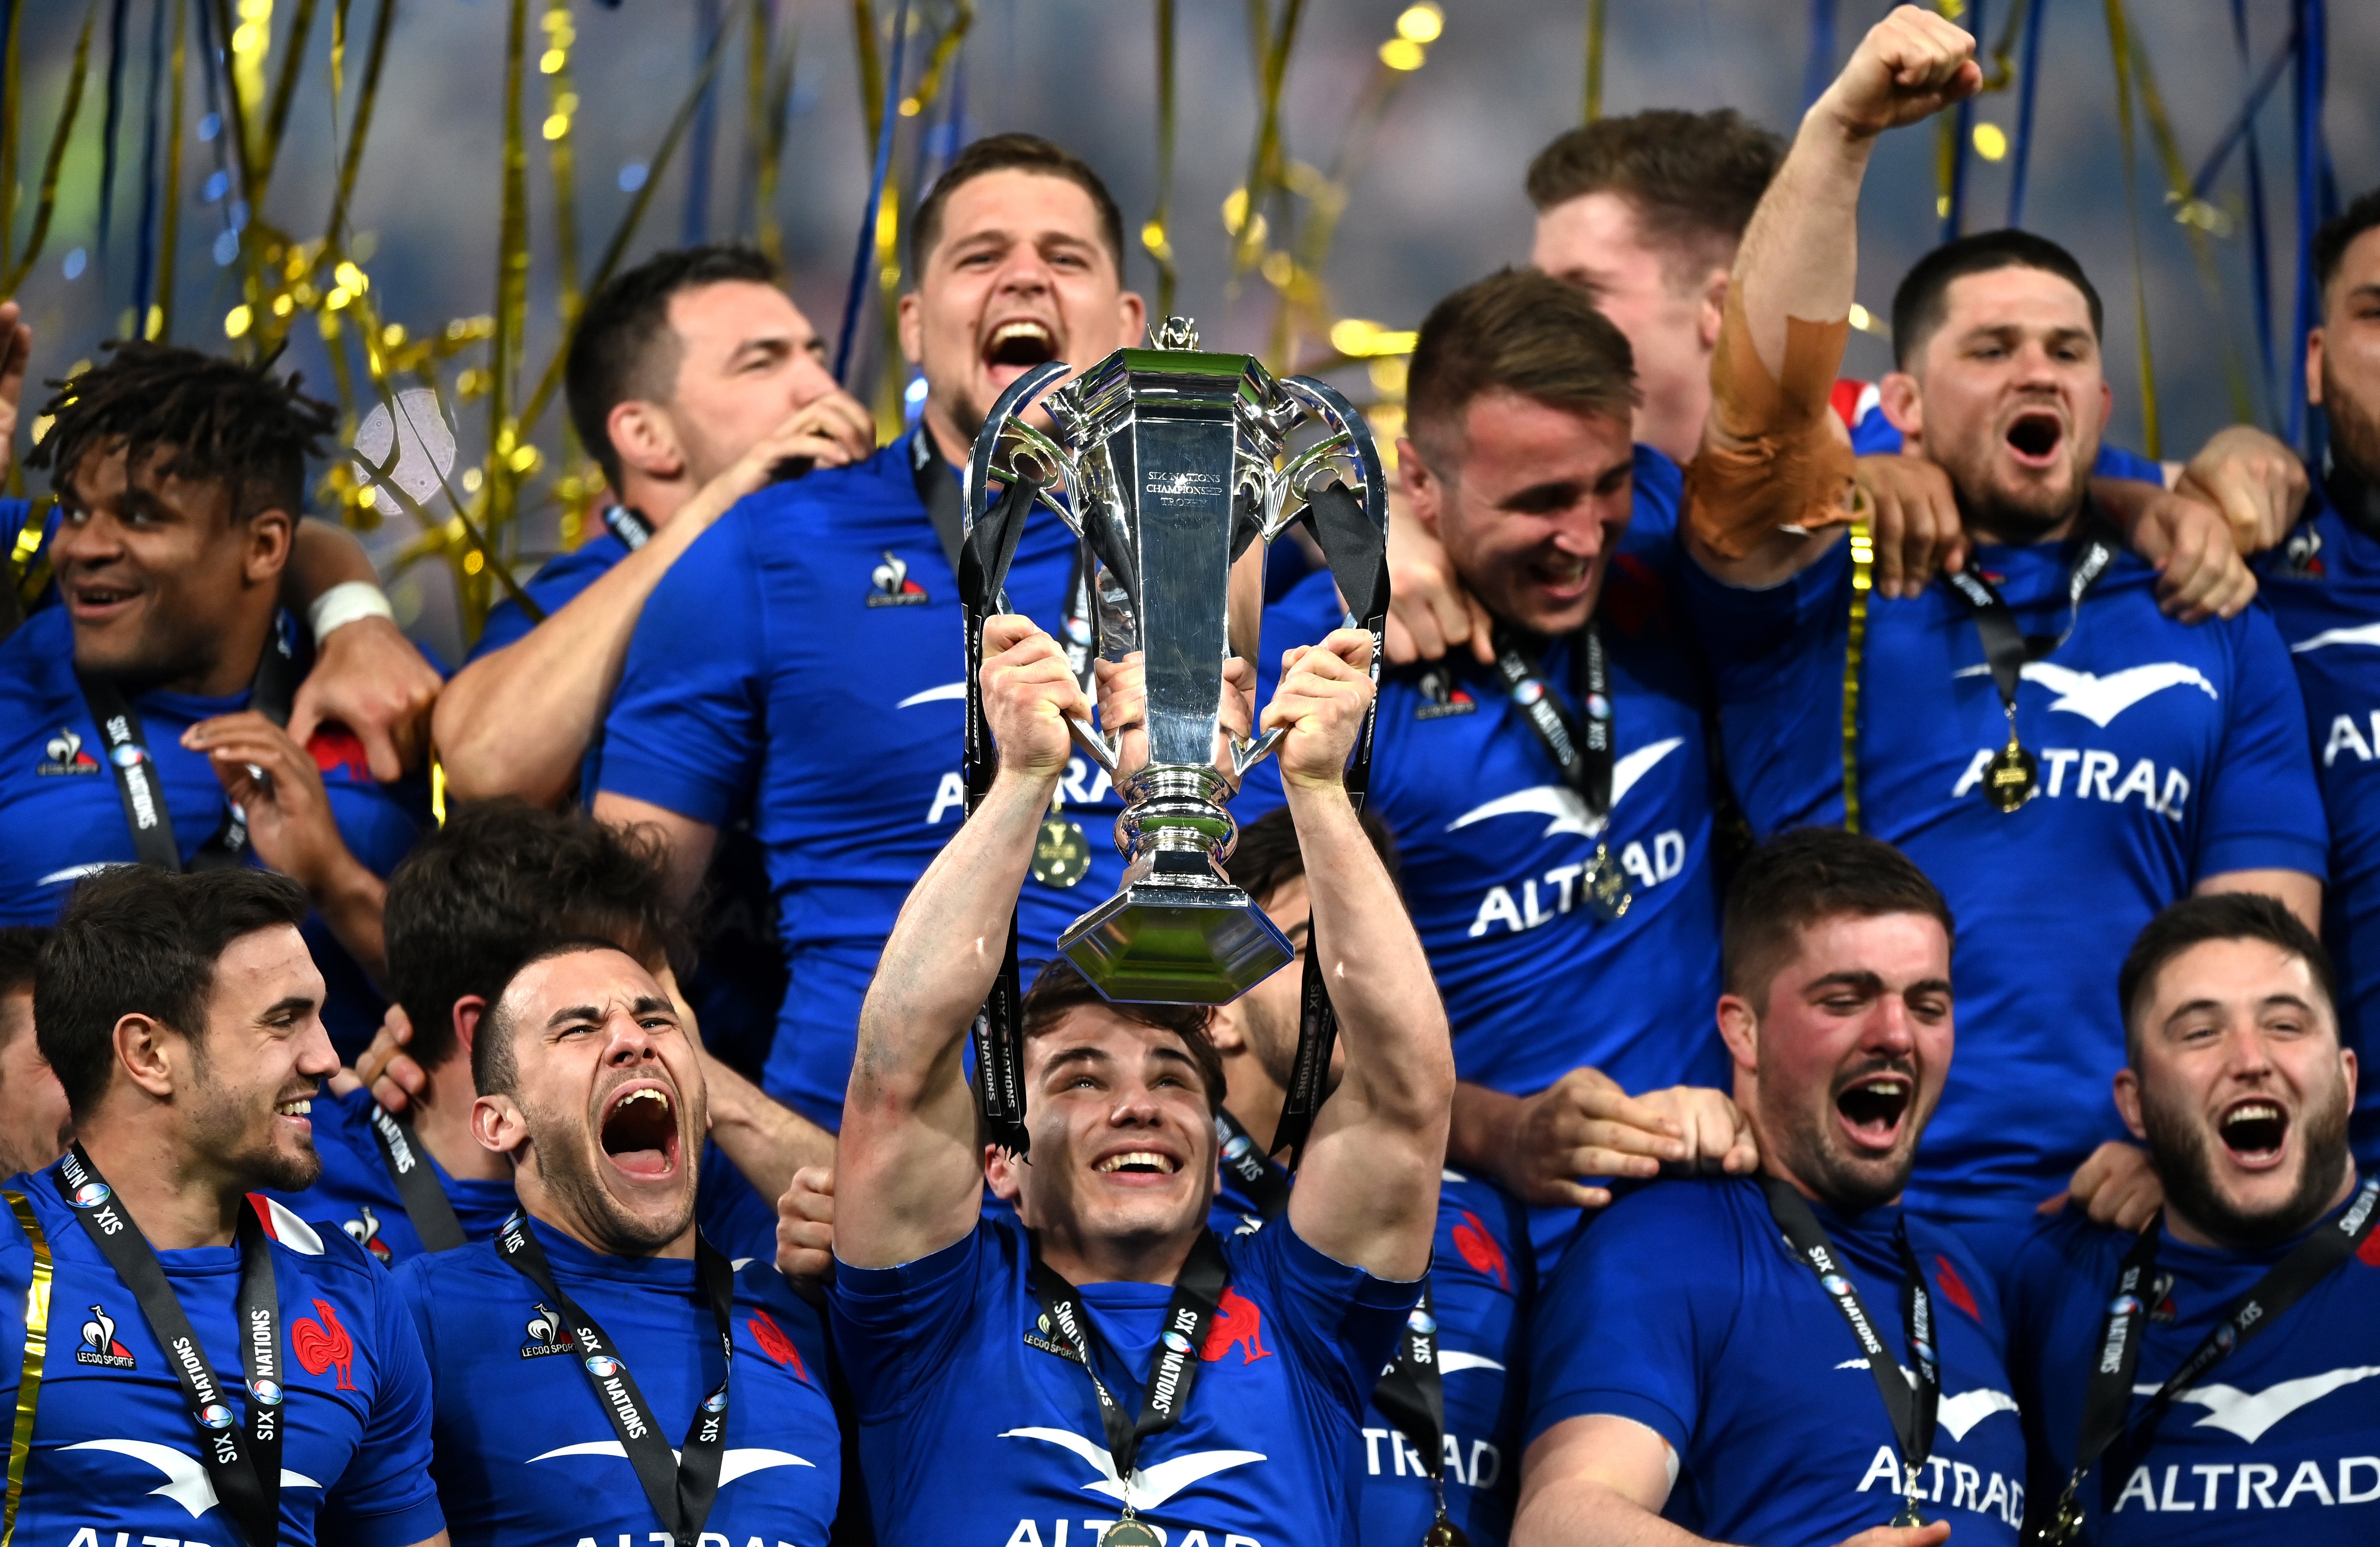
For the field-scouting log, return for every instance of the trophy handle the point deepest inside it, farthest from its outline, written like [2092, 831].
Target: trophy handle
[1247, 754]
[1348, 441]
[1012, 434]
[1096, 747]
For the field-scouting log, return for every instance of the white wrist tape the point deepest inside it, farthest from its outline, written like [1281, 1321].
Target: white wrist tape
[344, 603]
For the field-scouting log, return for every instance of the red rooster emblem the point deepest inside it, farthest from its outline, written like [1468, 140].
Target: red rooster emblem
[318, 1349]
[1238, 1324]
[1954, 1288]
[774, 1342]
[1478, 1244]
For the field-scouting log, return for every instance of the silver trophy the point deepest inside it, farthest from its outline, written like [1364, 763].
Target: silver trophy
[1167, 462]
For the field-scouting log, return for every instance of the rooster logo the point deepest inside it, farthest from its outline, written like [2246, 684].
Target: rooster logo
[541, 1324]
[1480, 1248]
[321, 1344]
[889, 584]
[99, 1345]
[1238, 1324]
[772, 1341]
[365, 1233]
[64, 755]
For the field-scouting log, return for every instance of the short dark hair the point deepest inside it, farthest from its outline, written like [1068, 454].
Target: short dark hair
[1802, 877]
[20, 955]
[1923, 302]
[2337, 233]
[2216, 916]
[1267, 857]
[1692, 179]
[216, 420]
[139, 941]
[495, 1067]
[498, 883]
[1523, 332]
[1058, 989]
[622, 348]
[1012, 153]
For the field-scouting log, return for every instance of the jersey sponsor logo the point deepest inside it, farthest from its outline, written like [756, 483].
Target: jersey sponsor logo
[1473, 1463]
[1477, 1245]
[2249, 1414]
[1085, 786]
[2346, 736]
[2094, 777]
[2249, 1484]
[99, 1345]
[2362, 634]
[1951, 1484]
[1045, 1336]
[1562, 805]
[1149, 1487]
[1442, 698]
[2100, 698]
[365, 1233]
[185, 1477]
[1958, 1414]
[771, 1340]
[733, 1464]
[65, 757]
[323, 1344]
[1238, 1324]
[1452, 1362]
[545, 1332]
[889, 585]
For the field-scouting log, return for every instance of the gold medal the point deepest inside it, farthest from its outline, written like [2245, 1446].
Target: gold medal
[1444, 1533]
[1606, 886]
[1129, 1533]
[1908, 1519]
[1061, 856]
[2068, 1527]
[2010, 778]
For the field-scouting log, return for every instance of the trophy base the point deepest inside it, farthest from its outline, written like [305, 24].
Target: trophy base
[1161, 942]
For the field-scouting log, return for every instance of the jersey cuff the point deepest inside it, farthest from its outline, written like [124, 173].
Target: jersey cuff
[898, 1284]
[398, 1528]
[1602, 1402]
[673, 788]
[2264, 851]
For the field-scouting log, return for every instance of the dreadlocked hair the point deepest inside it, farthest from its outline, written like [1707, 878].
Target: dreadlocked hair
[215, 419]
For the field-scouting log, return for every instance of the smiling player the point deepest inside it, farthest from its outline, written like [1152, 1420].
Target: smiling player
[2212, 1374]
[622, 1334]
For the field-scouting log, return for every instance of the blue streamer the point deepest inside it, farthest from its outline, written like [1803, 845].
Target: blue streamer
[708, 19]
[864, 259]
[144, 267]
[1954, 217]
[113, 116]
[2025, 91]
[2260, 253]
[2313, 64]
[1819, 72]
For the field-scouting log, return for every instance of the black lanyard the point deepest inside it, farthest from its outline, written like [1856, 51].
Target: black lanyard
[244, 1468]
[1413, 1397]
[136, 783]
[426, 1203]
[1582, 753]
[2107, 1399]
[2012, 777]
[681, 1489]
[629, 525]
[1266, 1185]
[1173, 1367]
[1911, 1409]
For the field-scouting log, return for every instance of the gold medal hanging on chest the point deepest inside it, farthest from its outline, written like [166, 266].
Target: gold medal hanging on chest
[1129, 1533]
[1444, 1533]
[1605, 886]
[1908, 1519]
[2012, 777]
[1061, 854]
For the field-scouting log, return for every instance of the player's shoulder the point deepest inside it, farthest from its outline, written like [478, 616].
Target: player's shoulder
[327, 1256]
[1660, 482]
[36, 659]
[2063, 1255]
[828, 506]
[1679, 1229]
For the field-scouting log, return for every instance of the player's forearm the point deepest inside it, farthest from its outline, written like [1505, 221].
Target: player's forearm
[350, 899]
[1800, 257]
[520, 721]
[1565, 1514]
[1481, 1128]
[322, 554]
[767, 1141]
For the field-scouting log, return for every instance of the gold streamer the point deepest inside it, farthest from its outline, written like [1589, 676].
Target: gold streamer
[946, 47]
[562, 112]
[28, 1382]
[760, 131]
[503, 346]
[366, 98]
[1863, 540]
[871, 69]
[1595, 20]
[46, 201]
[1265, 170]
[158, 323]
[2118, 45]
[1155, 236]
[285, 93]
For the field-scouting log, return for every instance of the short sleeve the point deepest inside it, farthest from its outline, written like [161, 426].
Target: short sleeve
[553, 587]
[733, 1215]
[1619, 1329]
[385, 1497]
[1753, 637]
[1871, 433]
[685, 731]
[1344, 1321]
[894, 1327]
[2263, 810]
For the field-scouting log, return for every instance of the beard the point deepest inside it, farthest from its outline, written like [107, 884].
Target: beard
[2182, 1152]
[2354, 428]
[568, 1168]
[225, 1126]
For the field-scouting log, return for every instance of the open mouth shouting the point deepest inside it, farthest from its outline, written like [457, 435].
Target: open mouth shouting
[639, 1131]
[1014, 347]
[2035, 437]
[1874, 1109]
[2254, 1132]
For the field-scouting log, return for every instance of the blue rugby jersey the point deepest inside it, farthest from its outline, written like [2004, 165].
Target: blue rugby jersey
[115, 1453]
[2279, 1442]
[555, 585]
[970, 1433]
[805, 661]
[1682, 1308]
[2165, 756]
[67, 818]
[2323, 589]
[525, 1452]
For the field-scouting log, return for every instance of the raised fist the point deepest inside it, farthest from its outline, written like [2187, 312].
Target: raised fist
[1028, 689]
[1911, 66]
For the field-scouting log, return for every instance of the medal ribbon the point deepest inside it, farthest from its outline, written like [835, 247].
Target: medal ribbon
[1266, 1183]
[629, 525]
[426, 1203]
[1413, 1395]
[1912, 1410]
[244, 1468]
[680, 1488]
[1584, 754]
[1173, 1365]
[29, 1380]
[143, 793]
[2107, 1399]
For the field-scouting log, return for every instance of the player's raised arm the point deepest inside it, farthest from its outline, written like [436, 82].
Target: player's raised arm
[1773, 455]
[910, 1167]
[1367, 1189]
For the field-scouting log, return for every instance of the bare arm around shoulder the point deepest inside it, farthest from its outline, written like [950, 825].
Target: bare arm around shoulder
[1774, 455]
[908, 1169]
[1367, 1193]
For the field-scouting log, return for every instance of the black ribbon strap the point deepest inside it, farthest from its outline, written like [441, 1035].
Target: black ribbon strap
[2107, 1398]
[1413, 1397]
[1911, 1408]
[426, 1203]
[680, 1488]
[1266, 1185]
[244, 1465]
[1174, 1364]
[136, 783]
[1583, 753]
[629, 525]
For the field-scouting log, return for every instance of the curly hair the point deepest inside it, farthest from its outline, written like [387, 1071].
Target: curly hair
[215, 419]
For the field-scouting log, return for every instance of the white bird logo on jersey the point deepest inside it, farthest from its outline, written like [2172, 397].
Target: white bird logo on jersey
[185, 1477]
[2249, 1414]
[732, 1464]
[1563, 804]
[99, 1332]
[949, 692]
[1958, 1414]
[2100, 698]
[1151, 1486]
[2362, 634]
